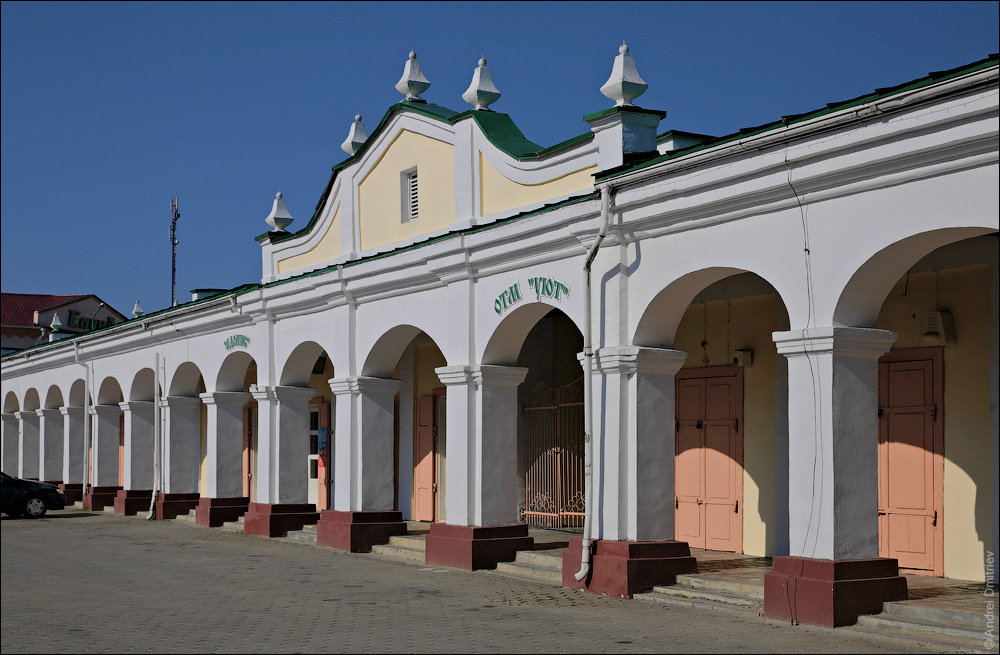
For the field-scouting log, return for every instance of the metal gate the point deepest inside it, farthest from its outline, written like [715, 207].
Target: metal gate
[554, 480]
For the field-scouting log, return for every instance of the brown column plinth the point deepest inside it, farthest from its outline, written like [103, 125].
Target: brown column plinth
[472, 547]
[54, 483]
[130, 502]
[277, 519]
[213, 512]
[357, 532]
[170, 506]
[73, 491]
[830, 593]
[97, 498]
[623, 568]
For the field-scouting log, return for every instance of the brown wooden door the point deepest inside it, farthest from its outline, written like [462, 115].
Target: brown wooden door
[121, 450]
[910, 459]
[323, 500]
[247, 433]
[709, 458]
[424, 456]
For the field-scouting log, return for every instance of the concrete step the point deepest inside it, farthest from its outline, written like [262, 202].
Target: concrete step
[409, 547]
[713, 595]
[539, 565]
[718, 601]
[305, 535]
[109, 509]
[409, 541]
[186, 518]
[752, 588]
[233, 526]
[958, 618]
[929, 633]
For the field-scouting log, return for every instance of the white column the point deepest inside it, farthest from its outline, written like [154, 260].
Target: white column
[225, 443]
[181, 444]
[104, 445]
[50, 444]
[27, 444]
[633, 465]
[139, 426]
[482, 443]
[364, 443]
[73, 418]
[833, 440]
[282, 443]
[10, 449]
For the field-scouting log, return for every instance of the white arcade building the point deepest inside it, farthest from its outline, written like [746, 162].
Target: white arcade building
[780, 342]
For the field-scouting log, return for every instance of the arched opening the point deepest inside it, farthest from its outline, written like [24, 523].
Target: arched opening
[731, 415]
[308, 365]
[550, 451]
[937, 389]
[109, 396]
[408, 354]
[185, 442]
[54, 398]
[239, 374]
[9, 449]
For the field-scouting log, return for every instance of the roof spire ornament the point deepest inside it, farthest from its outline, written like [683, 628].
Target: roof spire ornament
[413, 82]
[356, 137]
[279, 218]
[481, 92]
[624, 85]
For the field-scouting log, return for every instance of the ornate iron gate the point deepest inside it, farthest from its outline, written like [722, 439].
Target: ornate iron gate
[554, 480]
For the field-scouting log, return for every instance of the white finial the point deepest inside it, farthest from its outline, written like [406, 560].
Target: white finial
[624, 85]
[481, 92]
[413, 82]
[279, 218]
[137, 310]
[356, 137]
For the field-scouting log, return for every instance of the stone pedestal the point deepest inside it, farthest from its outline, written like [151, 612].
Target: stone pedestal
[830, 593]
[623, 568]
[276, 520]
[172, 505]
[357, 532]
[73, 491]
[97, 498]
[471, 547]
[129, 502]
[213, 512]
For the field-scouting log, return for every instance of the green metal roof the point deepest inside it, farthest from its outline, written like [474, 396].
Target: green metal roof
[785, 121]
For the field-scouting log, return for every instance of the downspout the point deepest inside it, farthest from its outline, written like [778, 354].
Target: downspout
[588, 387]
[157, 436]
[86, 416]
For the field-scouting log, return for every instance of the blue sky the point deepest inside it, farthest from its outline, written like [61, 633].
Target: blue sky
[109, 110]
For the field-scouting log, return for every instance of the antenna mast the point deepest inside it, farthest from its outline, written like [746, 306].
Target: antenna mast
[174, 215]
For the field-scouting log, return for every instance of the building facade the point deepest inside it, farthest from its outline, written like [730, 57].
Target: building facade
[780, 342]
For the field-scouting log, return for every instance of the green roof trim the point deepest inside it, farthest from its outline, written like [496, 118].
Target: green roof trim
[785, 121]
[670, 134]
[624, 110]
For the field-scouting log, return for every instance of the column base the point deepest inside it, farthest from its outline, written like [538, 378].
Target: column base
[472, 547]
[213, 512]
[170, 506]
[830, 593]
[73, 491]
[96, 499]
[275, 520]
[623, 568]
[130, 502]
[357, 532]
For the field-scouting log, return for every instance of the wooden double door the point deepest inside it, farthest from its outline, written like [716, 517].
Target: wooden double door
[911, 459]
[709, 458]
[428, 450]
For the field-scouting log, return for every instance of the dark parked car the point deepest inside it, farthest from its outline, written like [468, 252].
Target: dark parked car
[28, 498]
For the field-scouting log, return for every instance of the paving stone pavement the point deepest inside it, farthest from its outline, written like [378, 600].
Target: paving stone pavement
[86, 582]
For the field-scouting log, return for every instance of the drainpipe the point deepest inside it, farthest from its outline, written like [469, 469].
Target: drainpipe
[86, 416]
[588, 404]
[157, 436]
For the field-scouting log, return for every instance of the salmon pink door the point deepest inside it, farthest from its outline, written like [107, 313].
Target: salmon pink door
[424, 456]
[709, 458]
[910, 459]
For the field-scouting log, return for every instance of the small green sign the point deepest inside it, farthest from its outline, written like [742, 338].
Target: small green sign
[237, 341]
